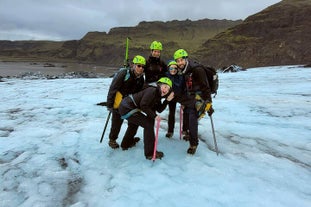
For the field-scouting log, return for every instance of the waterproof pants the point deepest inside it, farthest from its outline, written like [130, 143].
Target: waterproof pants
[189, 101]
[116, 123]
[171, 118]
[128, 138]
[147, 123]
[193, 127]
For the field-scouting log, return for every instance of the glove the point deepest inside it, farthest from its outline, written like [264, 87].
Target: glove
[198, 97]
[203, 107]
[199, 103]
[109, 109]
[199, 106]
[210, 111]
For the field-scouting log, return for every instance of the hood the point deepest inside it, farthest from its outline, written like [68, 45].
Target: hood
[189, 66]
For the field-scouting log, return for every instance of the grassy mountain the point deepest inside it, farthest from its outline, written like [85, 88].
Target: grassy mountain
[29, 50]
[173, 35]
[278, 35]
[109, 48]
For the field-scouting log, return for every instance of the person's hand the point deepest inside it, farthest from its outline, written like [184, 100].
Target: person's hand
[198, 97]
[170, 97]
[158, 118]
[204, 107]
[210, 111]
[110, 109]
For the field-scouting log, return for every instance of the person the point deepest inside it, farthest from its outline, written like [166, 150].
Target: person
[140, 110]
[125, 82]
[155, 66]
[197, 98]
[175, 74]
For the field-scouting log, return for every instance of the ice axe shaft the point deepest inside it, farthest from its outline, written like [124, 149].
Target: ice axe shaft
[126, 60]
[156, 140]
[180, 121]
[214, 137]
[101, 139]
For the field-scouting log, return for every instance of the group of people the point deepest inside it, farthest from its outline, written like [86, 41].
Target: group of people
[141, 92]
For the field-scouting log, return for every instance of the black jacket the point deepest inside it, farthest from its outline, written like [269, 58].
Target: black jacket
[126, 82]
[197, 81]
[147, 100]
[155, 69]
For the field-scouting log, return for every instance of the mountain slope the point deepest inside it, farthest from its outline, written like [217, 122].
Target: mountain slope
[108, 48]
[278, 35]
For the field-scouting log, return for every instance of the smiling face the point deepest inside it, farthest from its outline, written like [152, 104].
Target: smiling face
[156, 53]
[165, 89]
[181, 62]
[173, 69]
[138, 69]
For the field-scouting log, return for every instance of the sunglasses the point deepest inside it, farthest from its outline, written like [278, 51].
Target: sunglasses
[171, 68]
[140, 66]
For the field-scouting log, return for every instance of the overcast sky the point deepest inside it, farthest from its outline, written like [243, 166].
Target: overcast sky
[72, 19]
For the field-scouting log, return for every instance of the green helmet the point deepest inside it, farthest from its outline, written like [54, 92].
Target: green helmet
[155, 45]
[138, 59]
[181, 53]
[172, 62]
[166, 81]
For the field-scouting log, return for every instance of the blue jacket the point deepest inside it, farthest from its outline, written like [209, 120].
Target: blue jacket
[179, 84]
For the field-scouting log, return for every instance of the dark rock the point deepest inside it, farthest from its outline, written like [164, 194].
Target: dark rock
[232, 69]
[278, 35]
[68, 75]
[48, 65]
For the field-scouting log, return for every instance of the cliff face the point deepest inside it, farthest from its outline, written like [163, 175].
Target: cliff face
[109, 48]
[28, 49]
[278, 35]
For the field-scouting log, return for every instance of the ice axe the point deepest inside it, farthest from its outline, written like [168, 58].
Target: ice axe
[213, 130]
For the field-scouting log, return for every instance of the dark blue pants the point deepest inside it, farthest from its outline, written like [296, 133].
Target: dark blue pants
[189, 101]
[193, 127]
[171, 118]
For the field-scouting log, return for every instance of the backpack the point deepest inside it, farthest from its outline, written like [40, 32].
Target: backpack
[212, 78]
[127, 75]
[119, 96]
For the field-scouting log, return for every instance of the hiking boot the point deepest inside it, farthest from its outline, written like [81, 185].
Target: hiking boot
[192, 150]
[159, 155]
[135, 140]
[186, 136]
[169, 134]
[184, 132]
[113, 144]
